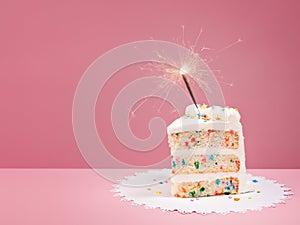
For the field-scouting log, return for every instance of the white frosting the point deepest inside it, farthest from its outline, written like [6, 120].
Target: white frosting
[225, 113]
[219, 118]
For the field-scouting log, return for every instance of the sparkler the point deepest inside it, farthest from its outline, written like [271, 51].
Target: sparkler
[183, 75]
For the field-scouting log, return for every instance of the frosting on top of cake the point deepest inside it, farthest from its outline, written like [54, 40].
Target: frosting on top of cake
[227, 114]
[204, 117]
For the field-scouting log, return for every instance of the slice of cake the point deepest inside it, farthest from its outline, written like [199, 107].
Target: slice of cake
[208, 157]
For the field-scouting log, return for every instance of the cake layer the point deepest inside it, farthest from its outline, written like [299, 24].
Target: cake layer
[204, 139]
[226, 185]
[203, 163]
[245, 183]
[207, 151]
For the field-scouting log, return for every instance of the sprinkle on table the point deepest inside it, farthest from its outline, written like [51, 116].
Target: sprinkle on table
[254, 181]
[149, 189]
[158, 192]
[161, 182]
[249, 197]
[236, 199]
[258, 191]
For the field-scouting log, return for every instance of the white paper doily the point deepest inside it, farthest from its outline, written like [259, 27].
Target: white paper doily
[267, 194]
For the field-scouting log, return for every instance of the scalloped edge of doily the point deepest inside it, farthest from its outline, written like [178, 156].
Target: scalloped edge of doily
[287, 195]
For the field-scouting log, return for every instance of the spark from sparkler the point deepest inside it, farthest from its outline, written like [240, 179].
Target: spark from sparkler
[229, 46]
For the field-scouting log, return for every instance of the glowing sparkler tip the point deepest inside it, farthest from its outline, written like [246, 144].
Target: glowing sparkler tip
[183, 71]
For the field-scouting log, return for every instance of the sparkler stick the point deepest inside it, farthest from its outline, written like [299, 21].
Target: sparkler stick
[189, 89]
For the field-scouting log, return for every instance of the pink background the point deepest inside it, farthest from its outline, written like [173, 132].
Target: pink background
[45, 47]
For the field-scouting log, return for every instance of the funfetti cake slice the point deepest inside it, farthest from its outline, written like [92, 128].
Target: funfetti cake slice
[208, 155]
